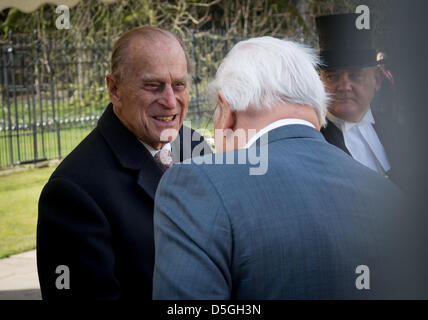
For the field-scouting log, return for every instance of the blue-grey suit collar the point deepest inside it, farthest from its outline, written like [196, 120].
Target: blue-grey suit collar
[130, 152]
[292, 131]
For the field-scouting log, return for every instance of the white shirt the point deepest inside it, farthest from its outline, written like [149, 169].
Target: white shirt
[362, 142]
[166, 146]
[274, 125]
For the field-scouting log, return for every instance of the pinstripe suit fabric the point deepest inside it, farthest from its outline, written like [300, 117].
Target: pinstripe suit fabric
[297, 232]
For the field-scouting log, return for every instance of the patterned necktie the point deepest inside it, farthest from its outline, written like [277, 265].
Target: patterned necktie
[164, 159]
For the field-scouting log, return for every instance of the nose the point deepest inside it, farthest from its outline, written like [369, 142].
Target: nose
[168, 97]
[345, 83]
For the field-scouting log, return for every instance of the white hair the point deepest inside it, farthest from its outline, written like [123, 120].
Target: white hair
[260, 72]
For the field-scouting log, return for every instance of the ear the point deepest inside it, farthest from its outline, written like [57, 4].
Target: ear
[227, 116]
[378, 78]
[113, 90]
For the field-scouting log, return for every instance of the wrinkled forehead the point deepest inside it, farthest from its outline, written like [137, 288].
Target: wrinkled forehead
[158, 56]
[150, 48]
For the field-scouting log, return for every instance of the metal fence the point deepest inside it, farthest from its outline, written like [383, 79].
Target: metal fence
[53, 91]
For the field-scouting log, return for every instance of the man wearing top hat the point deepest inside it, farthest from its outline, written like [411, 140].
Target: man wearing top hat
[351, 77]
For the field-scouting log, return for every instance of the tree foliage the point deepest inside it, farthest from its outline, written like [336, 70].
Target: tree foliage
[93, 20]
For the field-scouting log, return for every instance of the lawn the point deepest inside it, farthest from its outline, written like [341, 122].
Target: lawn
[19, 195]
[20, 191]
[47, 144]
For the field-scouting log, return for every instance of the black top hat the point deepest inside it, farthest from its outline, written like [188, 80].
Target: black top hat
[342, 44]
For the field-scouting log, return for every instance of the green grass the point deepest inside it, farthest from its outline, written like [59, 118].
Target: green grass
[20, 191]
[47, 145]
[19, 195]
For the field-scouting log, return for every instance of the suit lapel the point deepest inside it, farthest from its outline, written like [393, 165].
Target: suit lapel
[379, 127]
[175, 152]
[334, 136]
[176, 148]
[130, 152]
[149, 177]
[186, 142]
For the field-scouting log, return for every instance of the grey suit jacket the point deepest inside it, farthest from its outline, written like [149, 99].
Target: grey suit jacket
[297, 232]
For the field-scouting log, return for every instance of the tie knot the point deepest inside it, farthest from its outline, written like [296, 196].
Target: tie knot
[164, 159]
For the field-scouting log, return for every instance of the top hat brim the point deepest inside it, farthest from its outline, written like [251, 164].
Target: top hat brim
[343, 44]
[331, 60]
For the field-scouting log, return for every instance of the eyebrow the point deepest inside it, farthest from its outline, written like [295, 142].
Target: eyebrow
[150, 78]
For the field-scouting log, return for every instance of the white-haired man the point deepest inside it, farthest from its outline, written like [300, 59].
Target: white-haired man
[301, 228]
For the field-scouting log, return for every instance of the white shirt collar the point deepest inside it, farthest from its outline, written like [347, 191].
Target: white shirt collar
[277, 124]
[153, 151]
[346, 126]
[362, 142]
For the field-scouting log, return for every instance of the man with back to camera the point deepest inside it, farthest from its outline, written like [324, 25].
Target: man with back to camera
[96, 211]
[297, 230]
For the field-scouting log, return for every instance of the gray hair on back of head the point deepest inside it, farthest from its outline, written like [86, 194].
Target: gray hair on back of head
[261, 72]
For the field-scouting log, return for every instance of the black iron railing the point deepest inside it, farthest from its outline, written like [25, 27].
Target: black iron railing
[52, 91]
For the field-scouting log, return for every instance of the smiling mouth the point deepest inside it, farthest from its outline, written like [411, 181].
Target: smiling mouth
[165, 119]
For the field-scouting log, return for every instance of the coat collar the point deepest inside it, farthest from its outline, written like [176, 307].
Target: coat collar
[334, 136]
[130, 152]
[293, 131]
